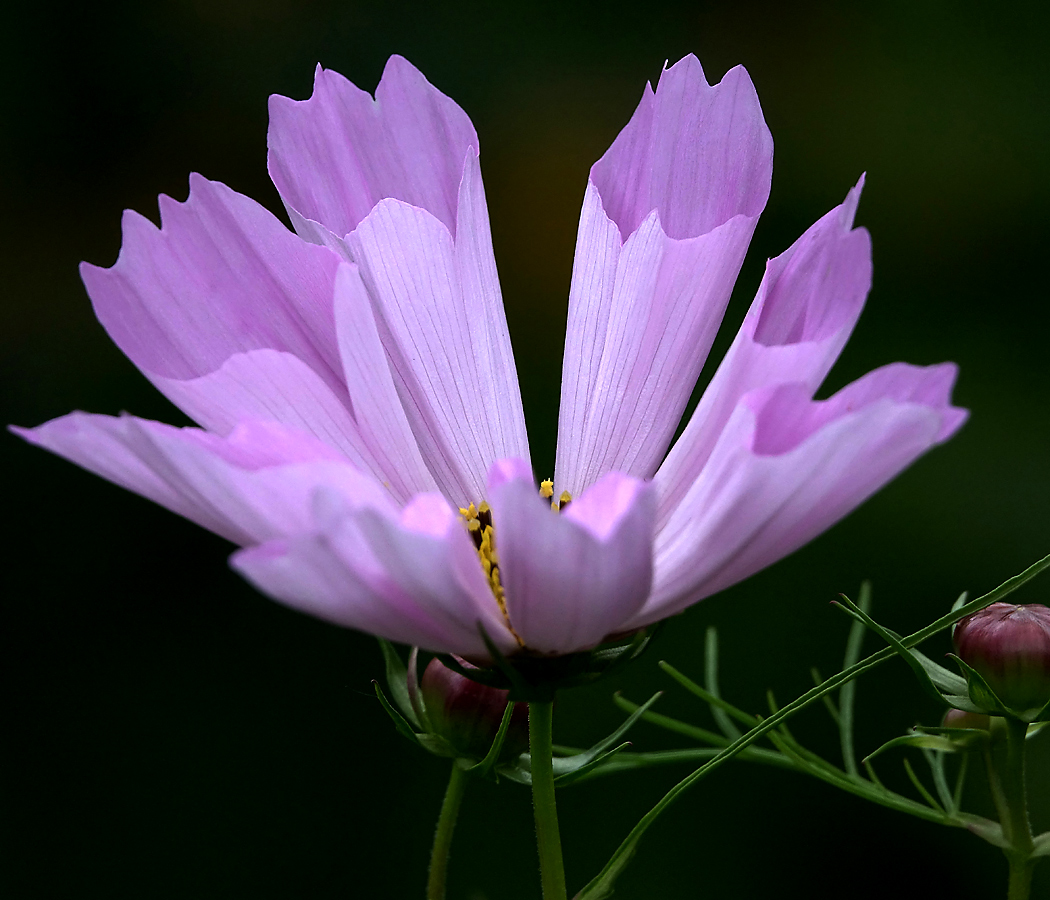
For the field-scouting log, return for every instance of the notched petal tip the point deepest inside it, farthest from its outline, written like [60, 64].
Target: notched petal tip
[504, 470]
[701, 154]
[816, 288]
[785, 415]
[604, 505]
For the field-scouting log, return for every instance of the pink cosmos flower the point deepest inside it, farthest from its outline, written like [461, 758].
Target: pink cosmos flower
[358, 399]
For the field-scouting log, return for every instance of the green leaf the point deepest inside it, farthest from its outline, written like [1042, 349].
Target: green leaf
[919, 739]
[921, 788]
[674, 725]
[630, 762]
[750, 754]
[944, 679]
[400, 722]
[587, 768]
[397, 682]
[713, 700]
[602, 885]
[848, 691]
[721, 717]
[894, 640]
[566, 766]
[935, 760]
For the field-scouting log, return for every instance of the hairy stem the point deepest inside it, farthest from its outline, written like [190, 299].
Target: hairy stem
[548, 839]
[1016, 824]
[446, 825]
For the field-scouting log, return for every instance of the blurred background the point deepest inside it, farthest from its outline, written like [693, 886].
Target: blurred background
[169, 733]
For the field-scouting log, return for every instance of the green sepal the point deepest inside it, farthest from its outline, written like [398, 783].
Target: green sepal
[415, 693]
[485, 766]
[1044, 715]
[397, 683]
[984, 697]
[980, 694]
[400, 722]
[1041, 845]
[568, 769]
[1035, 727]
[533, 677]
[963, 702]
[436, 744]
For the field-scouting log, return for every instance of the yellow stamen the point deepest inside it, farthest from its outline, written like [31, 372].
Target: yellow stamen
[547, 489]
[564, 500]
[479, 526]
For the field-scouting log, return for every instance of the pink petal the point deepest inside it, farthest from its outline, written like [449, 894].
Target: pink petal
[268, 385]
[642, 319]
[805, 309]
[222, 276]
[571, 579]
[379, 417]
[335, 156]
[413, 579]
[697, 154]
[785, 468]
[666, 221]
[440, 318]
[254, 485]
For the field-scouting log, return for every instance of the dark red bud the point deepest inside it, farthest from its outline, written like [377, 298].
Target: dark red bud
[1009, 646]
[468, 714]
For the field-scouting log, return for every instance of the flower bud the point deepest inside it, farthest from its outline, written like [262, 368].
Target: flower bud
[1009, 646]
[959, 718]
[468, 714]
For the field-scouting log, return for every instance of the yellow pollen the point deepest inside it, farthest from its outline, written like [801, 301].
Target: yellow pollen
[547, 489]
[564, 500]
[478, 520]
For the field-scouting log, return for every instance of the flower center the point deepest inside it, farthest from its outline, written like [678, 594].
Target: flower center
[479, 526]
[547, 492]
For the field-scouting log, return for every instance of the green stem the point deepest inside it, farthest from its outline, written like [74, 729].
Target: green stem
[548, 839]
[1016, 824]
[457, 785]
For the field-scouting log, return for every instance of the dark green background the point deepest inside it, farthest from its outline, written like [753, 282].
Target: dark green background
[168, 733]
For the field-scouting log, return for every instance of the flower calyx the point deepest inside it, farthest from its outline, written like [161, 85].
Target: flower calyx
[530, 676]
[453, 716]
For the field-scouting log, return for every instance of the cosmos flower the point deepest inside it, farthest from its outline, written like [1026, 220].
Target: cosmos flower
[361, 430]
